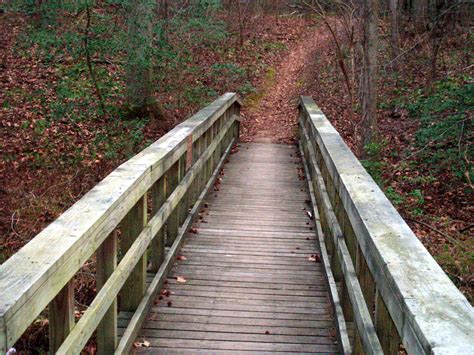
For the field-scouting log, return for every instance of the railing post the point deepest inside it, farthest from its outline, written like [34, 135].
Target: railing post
[386, 330]
[158, 197]
[106, 263]
[61, 316]
[135, 286]
[183, 204]
[172, 224]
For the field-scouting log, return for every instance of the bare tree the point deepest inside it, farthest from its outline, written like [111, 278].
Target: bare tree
[139, 96]
[369, 73]
[394, 33]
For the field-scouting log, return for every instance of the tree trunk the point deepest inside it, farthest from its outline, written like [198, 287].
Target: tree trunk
[395, 42]
[369, 74]
[420, 10]
[139, 57]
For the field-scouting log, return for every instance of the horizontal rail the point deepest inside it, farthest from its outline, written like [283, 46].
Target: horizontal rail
[407, 294]
[362, 314]
[181, 162]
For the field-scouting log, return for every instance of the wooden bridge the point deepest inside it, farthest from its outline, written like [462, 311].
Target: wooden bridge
[205, 245]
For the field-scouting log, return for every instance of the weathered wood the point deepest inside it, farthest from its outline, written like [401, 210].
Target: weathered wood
[157, 281]
[89, 321]
[61, 317]
[57, 253]
[342, 333]
[245, 279]
[172, 224]
[358, 306]
[424, 304]
[106, 263]
[159, 194]
[241, 345]
[131, 227]
[386, 330]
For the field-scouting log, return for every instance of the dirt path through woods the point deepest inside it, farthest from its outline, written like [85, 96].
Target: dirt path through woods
[274, 118]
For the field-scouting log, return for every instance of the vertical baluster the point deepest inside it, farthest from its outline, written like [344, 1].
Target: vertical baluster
[172, 224]
[135, 286]
[217, 151]
[210, 136]
[183, 203]
[61, 316]
[202, 173]
[193, 196]
[386, 330]
[158, 197]
[106, 263]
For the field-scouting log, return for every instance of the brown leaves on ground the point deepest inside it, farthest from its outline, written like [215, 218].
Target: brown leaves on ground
[274, 117]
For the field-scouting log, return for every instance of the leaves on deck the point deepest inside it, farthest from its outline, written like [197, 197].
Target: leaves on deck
[141, 344]
[180, 279]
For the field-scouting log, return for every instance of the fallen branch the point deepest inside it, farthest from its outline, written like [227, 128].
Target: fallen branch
[429, 226]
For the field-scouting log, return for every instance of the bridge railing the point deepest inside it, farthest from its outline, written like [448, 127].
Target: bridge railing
[116, 218]
[392, 290]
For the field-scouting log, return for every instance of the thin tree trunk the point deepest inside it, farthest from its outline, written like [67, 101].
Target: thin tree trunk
[420, 10]
[395, 41]
[89, 61]
[241, 24]
[369, 80]
[139, 56]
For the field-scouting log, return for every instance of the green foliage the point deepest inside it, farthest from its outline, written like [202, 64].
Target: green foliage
[374, 168]
[445, 134]
[373, 149]
[394, 196]
[418, 195]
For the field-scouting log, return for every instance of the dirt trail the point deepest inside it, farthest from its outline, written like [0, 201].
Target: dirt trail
[274, 119]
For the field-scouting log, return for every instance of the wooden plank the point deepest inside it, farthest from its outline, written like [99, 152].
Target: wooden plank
[172, 224]
[240, 345]
[297, 300]
[239, 304]
[158, 197]
[236, 337]
[106, 257]
[131, 227]
[248, 329]
[61, 317]
[256, 286]
[314, 290]
[315, 323]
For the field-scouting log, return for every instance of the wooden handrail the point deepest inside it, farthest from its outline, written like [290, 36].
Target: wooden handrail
[380, 263]
[175, 170]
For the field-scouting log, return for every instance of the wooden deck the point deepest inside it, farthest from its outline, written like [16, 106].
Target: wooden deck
[251, 284]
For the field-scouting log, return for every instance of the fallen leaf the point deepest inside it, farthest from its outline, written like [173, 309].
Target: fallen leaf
[181, 279]
[181, 257]
[316, 258]
[141, 344]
